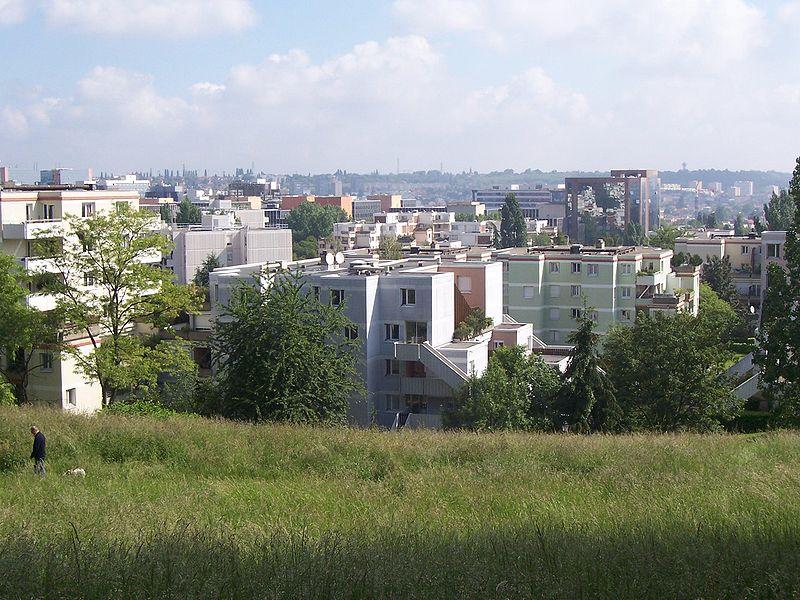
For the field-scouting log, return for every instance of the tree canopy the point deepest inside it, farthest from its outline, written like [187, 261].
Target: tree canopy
[779, 212]
[108, 283]
[313, 220]
[513, 230]
[188, 212]
[283, 355]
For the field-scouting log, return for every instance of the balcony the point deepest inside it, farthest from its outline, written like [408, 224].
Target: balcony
[31, 230]
[43, 302]
[36, 264]
[425, 386]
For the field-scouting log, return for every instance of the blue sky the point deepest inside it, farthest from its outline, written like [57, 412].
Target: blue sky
[316, 86]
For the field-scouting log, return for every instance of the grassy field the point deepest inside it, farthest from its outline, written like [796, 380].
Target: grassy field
[186, 507]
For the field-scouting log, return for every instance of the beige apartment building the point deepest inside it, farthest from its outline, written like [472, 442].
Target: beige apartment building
[26, 215]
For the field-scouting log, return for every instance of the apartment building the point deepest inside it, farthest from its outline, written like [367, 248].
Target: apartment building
[126, 183]
[547, 286]
[234, 238]
[405, 312]
[745, 255]
[28, 213]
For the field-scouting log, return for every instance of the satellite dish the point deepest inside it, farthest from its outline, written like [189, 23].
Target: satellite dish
[752, 310]
[339, 258]
[329, 259]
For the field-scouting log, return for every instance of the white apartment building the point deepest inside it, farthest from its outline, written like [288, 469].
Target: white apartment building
[25, 216]
[126, 183]
[548, 286]
[744, 252]
[405, 313]
[234, 238]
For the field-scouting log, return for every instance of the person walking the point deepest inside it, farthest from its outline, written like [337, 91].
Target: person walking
[38, 451]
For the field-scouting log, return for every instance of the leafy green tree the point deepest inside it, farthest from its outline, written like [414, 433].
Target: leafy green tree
[313, 220]
[695, 260]
[780, 212]
[669, 374]
[586, 401]
[22, 329]
[779, 335]
[513, 230]
[285, 356]
[201, 276]
[475, 324]
[718, 274]
[497, 242]
[758, 225]
[306, 248]
[466, 217]
[166, 213]
[110, 282]
[738, 226]
[188, 212]
[591, 229]
[390, 248]
[634, 235]
[665, 236]
[515, 392]
[721, 321]
[678, 259]
[541, 239]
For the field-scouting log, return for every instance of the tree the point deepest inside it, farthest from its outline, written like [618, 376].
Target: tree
[22, 329]
[515, 392]
[497, 243]
[695, 260]
[513, 230]
[779, 336]
[585, 400]
[718, 274]
[678, 259]
[188, 212]
[665, 236]
[475, 324]
[634, 235]
[313, 220]
[720, 320]
[606, 198]
[669, 374]
[390, 248]
[108, 283]
[201, 276]
[780, 212]
[738, 226]
[283, 355]
[307, 248]
[166, 213]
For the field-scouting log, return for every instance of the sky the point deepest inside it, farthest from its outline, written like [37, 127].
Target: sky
[315, 86]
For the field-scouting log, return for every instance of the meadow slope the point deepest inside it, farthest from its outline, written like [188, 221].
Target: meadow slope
[187, 507]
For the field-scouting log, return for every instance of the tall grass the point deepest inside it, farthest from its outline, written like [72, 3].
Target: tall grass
[194, 508]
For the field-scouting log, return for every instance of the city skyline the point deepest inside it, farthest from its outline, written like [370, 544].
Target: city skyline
[551, 85]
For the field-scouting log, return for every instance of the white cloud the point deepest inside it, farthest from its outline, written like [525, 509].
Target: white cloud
[668, 32]
[12, 11]
[206, 88]
[178, 18]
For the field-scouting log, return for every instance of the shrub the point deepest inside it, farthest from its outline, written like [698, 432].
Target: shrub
[7, 397]
[140, 408]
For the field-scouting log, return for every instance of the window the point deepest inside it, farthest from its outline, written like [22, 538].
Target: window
[594, 270]
[465, 284]
[625, 315]
[555, 291]
[594, 316]
[316, 292]
[415, 369]
[351, 332]
[392, 402]
[554, 267]
[555, 336]
[71, 397]
[575, 290]
[392, 367]
[416, 332]
[408, 297]
[88, 279]
[46, 361]
[416, 404]
[216, 292]
[498, 344]
[48, 212]
[576, 267]
[392, 331]
[745, 249]
[627, 269]
[337, 297]
[626, 292]
[576, 313]
[87, 209]
[527, 292]
[773, 250]
[555, 314]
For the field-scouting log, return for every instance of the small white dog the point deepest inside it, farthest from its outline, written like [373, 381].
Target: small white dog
[75, 473]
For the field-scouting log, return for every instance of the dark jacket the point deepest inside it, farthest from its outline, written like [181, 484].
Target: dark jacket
[38, 446]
